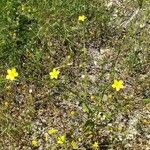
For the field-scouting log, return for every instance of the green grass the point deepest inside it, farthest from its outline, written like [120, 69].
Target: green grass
[37, 36]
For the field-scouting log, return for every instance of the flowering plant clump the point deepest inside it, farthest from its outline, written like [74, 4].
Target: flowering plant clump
[118, 84]
[81, 18]
[74, 75]
[54, 74]
[11, 74]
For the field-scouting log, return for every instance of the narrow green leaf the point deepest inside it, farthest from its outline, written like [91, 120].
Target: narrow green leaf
[147, 100]
[85, 108]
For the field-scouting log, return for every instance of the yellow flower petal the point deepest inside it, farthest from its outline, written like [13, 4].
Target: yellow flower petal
[120, 82]
[8, 71]
[13, 69]
[7, 77]
[16, 74]
[117, 89]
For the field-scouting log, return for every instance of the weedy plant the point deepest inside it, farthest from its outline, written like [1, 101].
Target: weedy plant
[74, 74]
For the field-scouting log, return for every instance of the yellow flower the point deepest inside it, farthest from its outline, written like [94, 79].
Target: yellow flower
[54, 74]
[72, 113]
[52, 131]
[146, 121]
[11, 74]
[118, 85]
[74, 145]
[92, 97]
[35, 143]
[6, 104]
[95, 145]
[61, 139]
[81, 18]
[69, 57]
